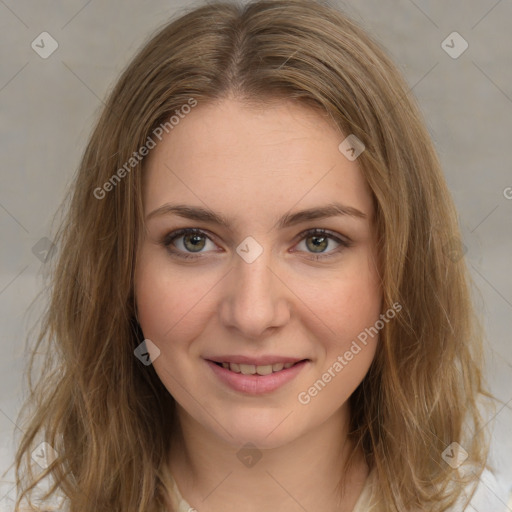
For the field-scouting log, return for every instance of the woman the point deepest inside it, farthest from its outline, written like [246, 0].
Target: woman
[258, 302]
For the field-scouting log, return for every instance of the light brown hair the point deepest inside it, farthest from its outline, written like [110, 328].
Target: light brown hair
[107, 416]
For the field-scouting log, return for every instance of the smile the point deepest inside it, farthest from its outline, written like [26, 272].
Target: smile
[256, 379]
[251, 369]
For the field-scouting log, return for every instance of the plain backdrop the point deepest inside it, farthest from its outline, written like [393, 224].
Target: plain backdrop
[48, 106]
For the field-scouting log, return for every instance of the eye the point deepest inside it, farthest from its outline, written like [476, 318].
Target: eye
[189, 243]
[317, 241]
[185, 242]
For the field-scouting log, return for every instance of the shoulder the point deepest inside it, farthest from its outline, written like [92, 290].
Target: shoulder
[490, 493]
[176, 500]
[486, 496]
[366, 500]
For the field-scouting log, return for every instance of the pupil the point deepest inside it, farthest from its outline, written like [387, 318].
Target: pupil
[319, 242]
[196, 240]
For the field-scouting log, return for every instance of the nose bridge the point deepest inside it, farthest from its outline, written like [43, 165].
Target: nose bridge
[255, 300]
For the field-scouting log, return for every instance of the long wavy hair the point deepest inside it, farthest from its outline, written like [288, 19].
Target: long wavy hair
[108, 417]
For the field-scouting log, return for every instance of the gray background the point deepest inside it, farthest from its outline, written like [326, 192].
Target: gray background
[48, 106]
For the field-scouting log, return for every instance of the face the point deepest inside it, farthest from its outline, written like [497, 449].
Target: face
[244, 269]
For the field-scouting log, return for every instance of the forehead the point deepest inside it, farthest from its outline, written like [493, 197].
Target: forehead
[262, 161]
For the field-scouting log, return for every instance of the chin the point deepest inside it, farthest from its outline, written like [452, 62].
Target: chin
[263, 428]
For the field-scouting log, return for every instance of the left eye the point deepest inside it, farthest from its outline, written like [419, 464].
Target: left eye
[317, 241]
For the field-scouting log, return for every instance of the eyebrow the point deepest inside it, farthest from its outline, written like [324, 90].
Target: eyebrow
[289, 219]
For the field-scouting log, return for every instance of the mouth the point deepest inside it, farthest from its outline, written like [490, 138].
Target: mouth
[252, 369]
[256, 379]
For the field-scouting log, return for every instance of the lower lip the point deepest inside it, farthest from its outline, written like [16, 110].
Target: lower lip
[256, 384]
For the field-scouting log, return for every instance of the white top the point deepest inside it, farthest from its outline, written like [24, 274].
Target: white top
[363, 504]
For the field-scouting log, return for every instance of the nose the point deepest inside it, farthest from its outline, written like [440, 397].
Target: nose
[255, 299]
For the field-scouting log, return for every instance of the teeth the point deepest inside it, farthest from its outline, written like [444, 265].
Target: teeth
[264, 370]
[251, 369]
[247, 369]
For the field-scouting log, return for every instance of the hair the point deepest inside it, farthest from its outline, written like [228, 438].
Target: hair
[108, 417]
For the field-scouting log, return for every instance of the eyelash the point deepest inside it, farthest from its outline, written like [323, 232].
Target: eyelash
[171, 237]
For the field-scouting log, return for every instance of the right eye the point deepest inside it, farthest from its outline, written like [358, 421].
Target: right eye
[187, 242]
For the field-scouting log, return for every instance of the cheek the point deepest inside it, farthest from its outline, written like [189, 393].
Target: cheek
[169, 303]
[344, 304]
[349, 317]
[350, 308]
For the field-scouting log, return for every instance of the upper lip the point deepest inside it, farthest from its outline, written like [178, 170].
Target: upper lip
[256, 361]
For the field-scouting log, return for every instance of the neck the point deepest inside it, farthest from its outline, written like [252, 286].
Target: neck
[305, 473]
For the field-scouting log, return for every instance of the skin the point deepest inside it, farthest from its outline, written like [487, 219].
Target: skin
[252, 166]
